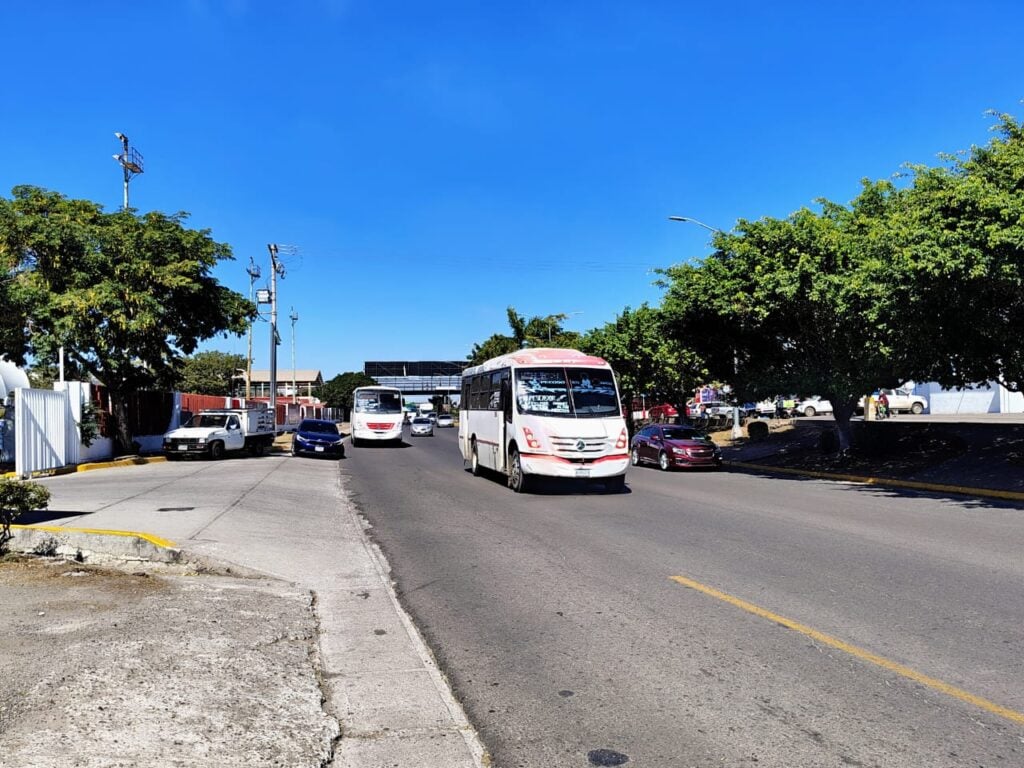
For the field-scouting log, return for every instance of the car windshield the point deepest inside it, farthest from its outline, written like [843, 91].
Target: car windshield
[323, 427]
[421, 420]
[579, 392]
[681, 433]
[378, 402]
[209, 420]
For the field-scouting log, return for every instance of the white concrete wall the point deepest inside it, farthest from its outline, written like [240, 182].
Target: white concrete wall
[990, 398]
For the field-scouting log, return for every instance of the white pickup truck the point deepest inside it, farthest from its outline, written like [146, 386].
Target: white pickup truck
[214, 432]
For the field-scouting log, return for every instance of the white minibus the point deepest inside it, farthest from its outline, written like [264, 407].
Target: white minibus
[544, 412]
[377, 414]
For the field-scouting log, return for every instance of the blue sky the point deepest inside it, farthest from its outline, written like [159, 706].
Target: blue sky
[434, 163]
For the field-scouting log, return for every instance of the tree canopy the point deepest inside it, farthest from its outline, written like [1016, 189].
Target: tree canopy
[537, 331]
[337, 392]
[211, 373]
[126, 295]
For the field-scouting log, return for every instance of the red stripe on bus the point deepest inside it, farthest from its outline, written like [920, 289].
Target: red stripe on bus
[617, 457]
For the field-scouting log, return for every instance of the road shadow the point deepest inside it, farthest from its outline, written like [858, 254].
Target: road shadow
[558, 486]
[43, 516]
[881, 489]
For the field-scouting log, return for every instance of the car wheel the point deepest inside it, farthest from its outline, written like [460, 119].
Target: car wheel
[663, 461]
[809, 411]
[216, 450]
[634, 456]
[474, 461]
[518, 480]
[917, 409]
[293, 452]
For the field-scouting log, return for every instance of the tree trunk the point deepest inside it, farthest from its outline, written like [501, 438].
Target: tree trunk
[122, 434]
[842, 413]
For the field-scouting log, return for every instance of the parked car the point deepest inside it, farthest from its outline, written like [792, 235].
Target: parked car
[901, 400]
[668, 446]
[422, 426]
[711, 408]
[317, 437]
[813, 406]
[444, 420]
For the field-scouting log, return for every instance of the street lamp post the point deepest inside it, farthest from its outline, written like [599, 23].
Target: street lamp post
[294, 316]
[737, 430]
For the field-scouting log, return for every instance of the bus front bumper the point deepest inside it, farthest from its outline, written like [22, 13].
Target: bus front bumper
[554, 466]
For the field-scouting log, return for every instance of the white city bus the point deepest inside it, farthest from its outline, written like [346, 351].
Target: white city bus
[377, 414]
[553, 412]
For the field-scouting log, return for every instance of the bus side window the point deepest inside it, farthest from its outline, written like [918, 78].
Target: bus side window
[506, 396]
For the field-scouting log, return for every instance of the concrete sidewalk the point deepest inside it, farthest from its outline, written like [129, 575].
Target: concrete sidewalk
[234, 648]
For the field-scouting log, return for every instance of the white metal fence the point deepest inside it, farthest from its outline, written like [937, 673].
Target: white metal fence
[45, 433]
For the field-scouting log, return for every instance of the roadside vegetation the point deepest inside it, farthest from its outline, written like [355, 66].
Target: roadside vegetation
[18, 497]
[917, 278]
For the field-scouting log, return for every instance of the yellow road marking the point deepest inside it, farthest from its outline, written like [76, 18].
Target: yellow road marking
[156, 540]
[860, 653]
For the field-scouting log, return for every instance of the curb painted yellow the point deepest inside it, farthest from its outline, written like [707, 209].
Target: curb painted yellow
[154, 540]
[128, 462]
[860, 653]
[885, 481]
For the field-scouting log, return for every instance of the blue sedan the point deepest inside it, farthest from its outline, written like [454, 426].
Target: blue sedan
[318, 438]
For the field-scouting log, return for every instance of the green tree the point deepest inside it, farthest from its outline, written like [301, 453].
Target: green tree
[211, 373]
[796, 305]
[959, 265]
[646, 361]
[337, 392]
[536, 331]
[126, 295]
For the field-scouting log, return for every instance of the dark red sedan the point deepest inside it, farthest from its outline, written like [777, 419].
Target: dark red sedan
[668, 446]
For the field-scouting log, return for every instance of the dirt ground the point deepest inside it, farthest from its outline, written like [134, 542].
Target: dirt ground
[100, 667]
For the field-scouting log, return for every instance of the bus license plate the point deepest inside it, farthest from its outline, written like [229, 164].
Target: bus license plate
[182, 447]
[582, 473]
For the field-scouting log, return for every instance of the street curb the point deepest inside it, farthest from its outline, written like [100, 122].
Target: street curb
[87, 543]
[128, 461]
[884, 481]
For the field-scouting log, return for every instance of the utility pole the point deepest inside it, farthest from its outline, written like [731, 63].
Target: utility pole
[131, 162]
[254, 274]
[276, 268]
[295, 393]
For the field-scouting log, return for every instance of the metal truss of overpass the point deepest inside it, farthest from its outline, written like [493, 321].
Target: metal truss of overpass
[419, 377]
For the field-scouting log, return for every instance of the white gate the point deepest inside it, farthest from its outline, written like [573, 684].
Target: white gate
[45, 434]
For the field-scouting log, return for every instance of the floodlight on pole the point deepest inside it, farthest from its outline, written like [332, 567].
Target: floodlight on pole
[254, 273]
[275, 268]
[130, 161]
[737, 429]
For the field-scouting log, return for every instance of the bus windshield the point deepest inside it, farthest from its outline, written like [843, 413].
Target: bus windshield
[378, 402]
[579, 392]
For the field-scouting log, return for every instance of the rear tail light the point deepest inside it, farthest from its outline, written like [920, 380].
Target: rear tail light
[623, 439]
[531, 441]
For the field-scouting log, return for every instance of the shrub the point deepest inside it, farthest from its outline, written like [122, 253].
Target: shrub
[757, 430]
[17, 498]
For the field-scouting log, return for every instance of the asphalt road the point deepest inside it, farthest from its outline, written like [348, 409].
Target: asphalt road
[709, 619]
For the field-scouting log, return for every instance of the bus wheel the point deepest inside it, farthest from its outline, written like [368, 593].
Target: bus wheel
[474, 461]
[355, 441]
[518, 480]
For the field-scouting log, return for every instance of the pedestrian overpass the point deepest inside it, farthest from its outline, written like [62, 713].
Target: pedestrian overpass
[419, 377]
